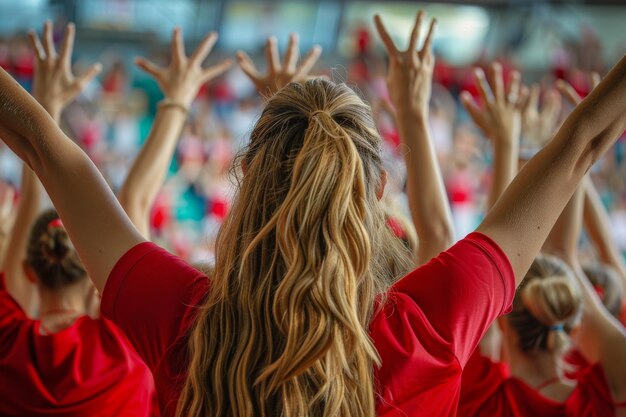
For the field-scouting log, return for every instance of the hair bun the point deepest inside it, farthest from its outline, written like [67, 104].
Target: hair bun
[551, 300]
[57, 245]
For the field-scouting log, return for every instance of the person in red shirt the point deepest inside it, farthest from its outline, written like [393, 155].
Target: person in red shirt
[65, 359]
[535, 338]
[534, 335]
[66, 362]
[299, 317]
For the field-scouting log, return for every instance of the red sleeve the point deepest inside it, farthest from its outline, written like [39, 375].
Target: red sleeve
[152, 296]
[462, 291]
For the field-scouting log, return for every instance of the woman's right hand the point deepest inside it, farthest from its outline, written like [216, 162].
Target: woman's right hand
[279, 74]
[183, 77]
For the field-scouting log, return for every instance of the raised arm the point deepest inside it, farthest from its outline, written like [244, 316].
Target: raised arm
[599, 336]
[598, 225]
[7, 216]
[95, 221]
[180, 83]
[409, 79]
[522, 218]
[595, 217]
[499, 118]
[53, 87]
[21, 289]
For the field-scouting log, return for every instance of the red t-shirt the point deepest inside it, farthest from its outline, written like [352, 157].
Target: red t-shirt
[425, 333]
[87, 369]
[487, 390]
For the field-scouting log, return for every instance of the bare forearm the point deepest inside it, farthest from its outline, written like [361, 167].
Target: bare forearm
[17, 285]
[428, 202]
[598, 225]
[148, 172]
[505, 163]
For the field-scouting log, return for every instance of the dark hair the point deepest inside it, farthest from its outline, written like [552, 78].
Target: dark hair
[606, 279]
[51, 255]
[544, 306]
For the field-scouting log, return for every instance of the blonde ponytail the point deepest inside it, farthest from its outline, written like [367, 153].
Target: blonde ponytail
[300, 261]
[546, 302]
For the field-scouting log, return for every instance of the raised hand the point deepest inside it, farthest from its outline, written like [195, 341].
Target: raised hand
[183, 77]
[409, 80]
[572, 95]
[279, 74]
[500, 116]
[538, 125]
[410, 73]
[54, 85]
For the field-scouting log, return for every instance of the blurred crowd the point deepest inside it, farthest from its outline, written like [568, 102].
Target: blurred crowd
[112, 118]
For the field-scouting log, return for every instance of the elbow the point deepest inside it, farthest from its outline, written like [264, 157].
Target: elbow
[586, 144]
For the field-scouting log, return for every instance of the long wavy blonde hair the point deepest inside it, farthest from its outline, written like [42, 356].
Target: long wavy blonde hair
[301, 261]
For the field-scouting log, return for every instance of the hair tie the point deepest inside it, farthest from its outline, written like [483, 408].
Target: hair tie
[319, 112]
[557, 327]
[55, 224]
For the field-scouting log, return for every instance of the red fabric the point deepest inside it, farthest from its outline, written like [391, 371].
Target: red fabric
[575, 364]
[487, 391]
[433, 319]
[87, 369]
[622, 316]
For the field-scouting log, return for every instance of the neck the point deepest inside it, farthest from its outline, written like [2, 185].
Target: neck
[69, 299]
[534, 368]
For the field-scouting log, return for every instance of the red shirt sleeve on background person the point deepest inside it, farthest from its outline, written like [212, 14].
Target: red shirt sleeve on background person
[431, 323]
[87, 369]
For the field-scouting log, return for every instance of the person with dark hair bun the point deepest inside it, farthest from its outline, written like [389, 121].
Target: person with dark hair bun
[57, 356]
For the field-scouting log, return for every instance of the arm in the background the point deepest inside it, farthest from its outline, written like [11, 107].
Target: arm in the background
[96, 223]
[523, 216]
[53, 87]
[500, 120]
[409, 80]
[598, 225]
[180, 83]
[599, 336]
[21, 289]
[539, 124]
[595, 217]
[7, 217]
